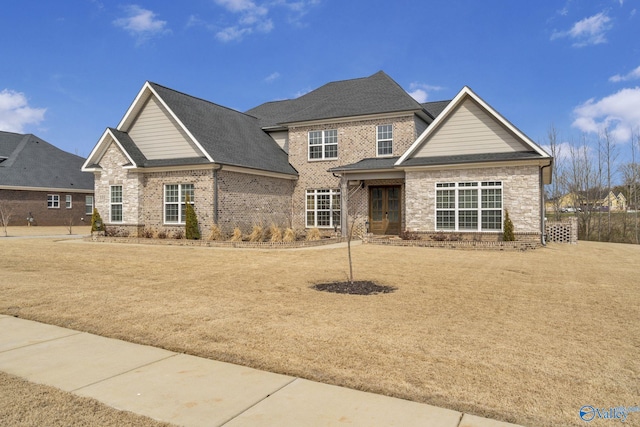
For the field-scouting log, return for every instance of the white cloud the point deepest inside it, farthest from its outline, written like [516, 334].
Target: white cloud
[254, 16]
[272, 77]
[15, 112]
[141, 23]
[620, 113]
[632, 75]
[589, 31]
[420, 91]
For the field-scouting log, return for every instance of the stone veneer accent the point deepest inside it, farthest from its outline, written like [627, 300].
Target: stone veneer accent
[113, 173]
[520, 188]
[356, 141]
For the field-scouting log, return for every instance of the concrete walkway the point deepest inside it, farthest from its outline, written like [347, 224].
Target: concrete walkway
[193, 391]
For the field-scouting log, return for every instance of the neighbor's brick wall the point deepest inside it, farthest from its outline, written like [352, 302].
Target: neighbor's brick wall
[520, 187]
[113, 173]
[246, 200]
[356, 141]
[23, 202]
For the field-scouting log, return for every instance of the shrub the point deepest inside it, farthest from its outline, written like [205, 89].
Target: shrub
[161, 234]
[96, 221]
[178, 234]
[237, 235]
[192, 231]
[455, 237]
[440, 236]
[289, 236]
[508, 235]
[276, 233]
[409, 235]
[147, 233]
[215, 234]
[256, 234]
[313, 234]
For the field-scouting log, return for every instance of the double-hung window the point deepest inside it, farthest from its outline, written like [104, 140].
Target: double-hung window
[469, 206]
[88, 205]
[323, 208]
[175, 196]
[323, 144]
[68, 201]
[384, 140]
[115, 204]
[53, 201]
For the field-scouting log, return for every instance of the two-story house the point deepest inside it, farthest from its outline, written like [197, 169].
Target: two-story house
[356, 148]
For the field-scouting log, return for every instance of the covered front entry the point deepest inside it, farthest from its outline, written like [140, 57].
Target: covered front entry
[385, 210]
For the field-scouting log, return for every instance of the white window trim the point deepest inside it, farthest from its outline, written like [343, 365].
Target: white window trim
[112, 203]
[53, 201]
[180, 202]
[378, 141]
[331, 192]
[68, 201]
[323, 145]
[468, 185]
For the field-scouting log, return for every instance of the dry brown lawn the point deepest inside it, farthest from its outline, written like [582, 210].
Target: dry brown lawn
[525, 337]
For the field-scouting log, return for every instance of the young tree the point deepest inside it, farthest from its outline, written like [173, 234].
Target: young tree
[6, 212]
[555, 190]
[610, 153]
[96, 221]
[353, 215]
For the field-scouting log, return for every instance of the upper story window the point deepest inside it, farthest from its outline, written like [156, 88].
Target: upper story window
[53, 201]
[115, 204]
[323, 144]
[469, 206]
[175, 196]
[384, 140]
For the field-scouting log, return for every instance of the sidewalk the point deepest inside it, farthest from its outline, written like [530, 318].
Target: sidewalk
[193, 391]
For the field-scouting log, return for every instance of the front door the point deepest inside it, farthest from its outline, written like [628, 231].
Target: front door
[384, 210]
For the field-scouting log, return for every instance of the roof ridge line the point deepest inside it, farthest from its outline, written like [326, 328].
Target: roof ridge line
[14, 154]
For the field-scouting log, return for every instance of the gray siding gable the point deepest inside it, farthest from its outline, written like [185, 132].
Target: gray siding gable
[228, 136]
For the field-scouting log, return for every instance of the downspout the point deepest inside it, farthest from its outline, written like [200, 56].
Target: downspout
[542, 208]
[215, 194]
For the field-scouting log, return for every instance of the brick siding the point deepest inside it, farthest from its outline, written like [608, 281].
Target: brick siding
[23, 202]
[520, 194]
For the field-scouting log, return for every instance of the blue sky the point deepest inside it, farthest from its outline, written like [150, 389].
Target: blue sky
[71, 68]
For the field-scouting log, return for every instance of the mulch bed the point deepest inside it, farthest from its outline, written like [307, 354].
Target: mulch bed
[361, 287]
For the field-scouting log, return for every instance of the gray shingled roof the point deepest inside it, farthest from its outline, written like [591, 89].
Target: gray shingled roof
[370, 95]
[435, 107]
[33, 162]
[368, 164]
[228, 136]
[388, 162]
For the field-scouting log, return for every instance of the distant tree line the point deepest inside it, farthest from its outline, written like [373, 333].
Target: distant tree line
[586, 170]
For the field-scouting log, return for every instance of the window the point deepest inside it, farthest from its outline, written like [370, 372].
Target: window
[384, 140]
[115, 204]
[323, 144]
[469, 206]
[174, 202]
[323, 208]
[88, 205]
[68, 201]
[53, 201]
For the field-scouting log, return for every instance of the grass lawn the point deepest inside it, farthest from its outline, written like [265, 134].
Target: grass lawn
[525, 337]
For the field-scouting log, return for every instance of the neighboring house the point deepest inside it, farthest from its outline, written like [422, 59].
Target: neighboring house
[614, 203]
[361, 147]
[41, 184]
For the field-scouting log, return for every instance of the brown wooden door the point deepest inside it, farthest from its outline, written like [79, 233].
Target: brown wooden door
[384, 210]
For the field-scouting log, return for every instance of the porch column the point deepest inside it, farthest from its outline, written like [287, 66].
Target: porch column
[344, 205]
